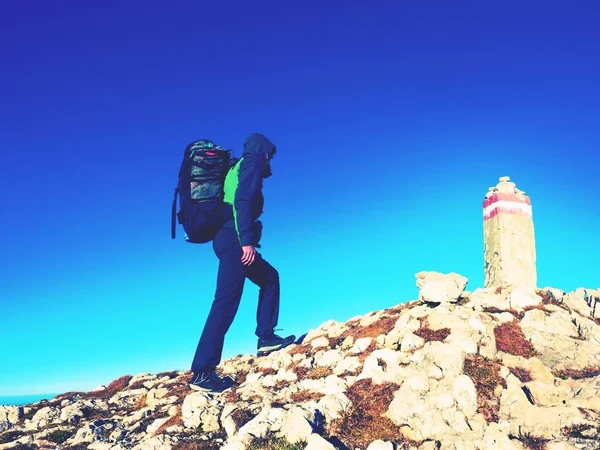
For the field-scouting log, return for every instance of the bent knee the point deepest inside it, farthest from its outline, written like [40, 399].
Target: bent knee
[273, 277]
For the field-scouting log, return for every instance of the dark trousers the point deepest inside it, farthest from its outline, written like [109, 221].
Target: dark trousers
[230, 285]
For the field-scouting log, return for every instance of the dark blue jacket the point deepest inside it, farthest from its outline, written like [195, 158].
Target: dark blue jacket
[243, 188]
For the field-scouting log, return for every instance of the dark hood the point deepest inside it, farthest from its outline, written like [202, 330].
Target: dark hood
[257, 144]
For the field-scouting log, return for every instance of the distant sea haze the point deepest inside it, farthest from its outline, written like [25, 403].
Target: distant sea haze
[20, 400]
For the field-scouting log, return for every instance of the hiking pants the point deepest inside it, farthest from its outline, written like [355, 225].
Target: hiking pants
[230, 284]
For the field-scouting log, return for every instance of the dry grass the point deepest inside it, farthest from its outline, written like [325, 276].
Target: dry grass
[242, 416]
[370, 349]
[302, 349]
[299, 370]
[538, 307]
[280, 384]
[174, 420]
[305, 396]
[577, 431]
[137, 385]
[577, 374]
[396, 310]
[60, 436]
[495, 310]
[195, 444]
[532, 442]
[181, 388]
[10, 436]
[267, 371]
[383, 325]
[319, 372]
[518, 314]
[462, 301]
[548, 299]
[313, 373]
[232, 395]
[172, 374]
[510, 339]
[141, 403]
[431, 335]
[271, 442]
[335, 342]
[117, 385]
[522, 374]
[363, 422]
[240, 377]
[486, 377]
[66, 396]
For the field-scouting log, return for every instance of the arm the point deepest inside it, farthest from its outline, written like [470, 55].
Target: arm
[249, 182]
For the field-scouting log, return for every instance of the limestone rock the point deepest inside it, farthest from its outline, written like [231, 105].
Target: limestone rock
[296, 427]
[332, 406]
[234, 444]
[9, 415]
[380, 445]
[320, 342]
[330, 358]
[360, 345]
[383, 366]
[546, 422]
[411, 341]
[440, 288]
[465, 394]
[521, 297]
[44, 417]
[160, 442]
[495, 438]
[70, 412]
[449, 358]
[434, 403]
[258, 427]
[349, 364]
[193, 407]
[156, 397]
[317, 442]
[140, 378]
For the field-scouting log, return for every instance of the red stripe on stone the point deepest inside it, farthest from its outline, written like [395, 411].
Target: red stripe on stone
[516, 211]
[501, 196]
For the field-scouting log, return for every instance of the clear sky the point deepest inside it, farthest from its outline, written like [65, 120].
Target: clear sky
[391, 119]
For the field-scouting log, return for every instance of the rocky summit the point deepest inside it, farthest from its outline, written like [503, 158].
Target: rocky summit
[497, 368]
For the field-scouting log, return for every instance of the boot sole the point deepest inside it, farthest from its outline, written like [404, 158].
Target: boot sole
[264, 351]
[210, 391]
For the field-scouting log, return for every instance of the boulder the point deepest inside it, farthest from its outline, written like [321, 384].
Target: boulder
[438, 288]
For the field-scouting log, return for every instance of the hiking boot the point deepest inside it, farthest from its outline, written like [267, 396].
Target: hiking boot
[210, 382]
[273, 343]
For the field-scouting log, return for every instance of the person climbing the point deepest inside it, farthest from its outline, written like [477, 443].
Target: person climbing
[235, 246]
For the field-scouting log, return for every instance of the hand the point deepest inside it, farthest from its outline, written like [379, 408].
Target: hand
[248, 254]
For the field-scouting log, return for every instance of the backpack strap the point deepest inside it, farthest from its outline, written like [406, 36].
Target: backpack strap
[173, 214]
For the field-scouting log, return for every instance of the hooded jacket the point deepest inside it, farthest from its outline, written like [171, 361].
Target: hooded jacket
[243, 187]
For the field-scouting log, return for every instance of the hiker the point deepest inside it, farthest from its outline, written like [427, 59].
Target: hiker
[235, 246]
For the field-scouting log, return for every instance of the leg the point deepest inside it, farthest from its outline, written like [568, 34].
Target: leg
[264, 275]
[230, 285]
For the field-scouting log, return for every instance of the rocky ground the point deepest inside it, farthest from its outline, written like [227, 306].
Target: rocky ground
[501, 368]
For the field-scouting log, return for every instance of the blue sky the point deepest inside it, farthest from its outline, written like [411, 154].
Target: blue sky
[391, 120]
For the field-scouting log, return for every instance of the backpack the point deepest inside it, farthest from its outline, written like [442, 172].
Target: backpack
[200, 191]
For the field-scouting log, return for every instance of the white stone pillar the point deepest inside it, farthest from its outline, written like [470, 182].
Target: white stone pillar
[508, 237]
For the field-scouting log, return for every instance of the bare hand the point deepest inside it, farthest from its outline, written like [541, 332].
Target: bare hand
[248, 255]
